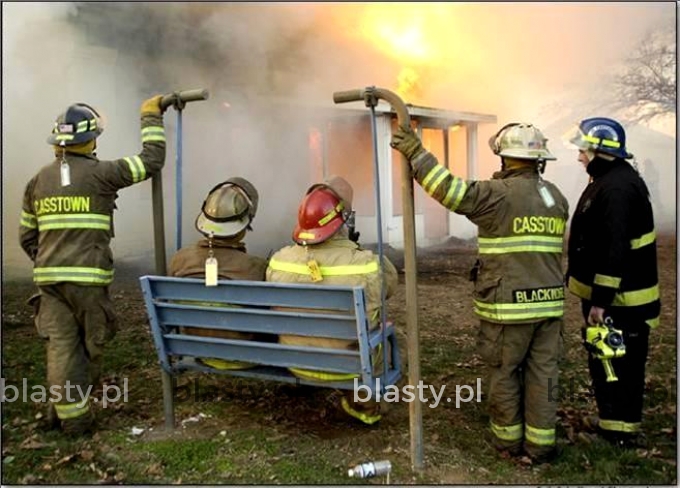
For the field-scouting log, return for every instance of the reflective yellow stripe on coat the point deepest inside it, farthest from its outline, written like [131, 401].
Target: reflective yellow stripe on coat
[74, 221]
[632, 298]
[504, 245]
[519, 311]
[73, 274]
[136, 167]
[342, 270]
[28, 220]
[153, 133]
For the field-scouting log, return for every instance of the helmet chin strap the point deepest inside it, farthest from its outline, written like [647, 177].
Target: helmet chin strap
[348, 218]
[540, 166]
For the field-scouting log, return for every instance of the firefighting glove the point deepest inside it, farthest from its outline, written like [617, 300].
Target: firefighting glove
[152, 105]
[407, 142]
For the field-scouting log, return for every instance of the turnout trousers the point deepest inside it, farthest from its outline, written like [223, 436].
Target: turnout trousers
[619, 403]
[523, 362]
[77, 321]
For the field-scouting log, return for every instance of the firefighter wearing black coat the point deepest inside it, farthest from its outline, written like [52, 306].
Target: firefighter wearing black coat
[613, 269]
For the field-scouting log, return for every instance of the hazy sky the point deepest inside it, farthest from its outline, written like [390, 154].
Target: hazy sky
[508, 59]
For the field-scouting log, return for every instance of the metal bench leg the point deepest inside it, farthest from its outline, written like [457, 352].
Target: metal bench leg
[168, 400]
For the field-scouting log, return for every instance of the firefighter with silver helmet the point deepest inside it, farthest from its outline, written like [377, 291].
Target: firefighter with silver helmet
[324, 254]
[225, 217]
[66, 228]
[612, 268]
[518, 292]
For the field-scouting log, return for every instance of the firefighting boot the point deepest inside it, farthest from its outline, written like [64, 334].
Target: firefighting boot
[506, 449]
[51, 421]
[81, 426]
[366, 412]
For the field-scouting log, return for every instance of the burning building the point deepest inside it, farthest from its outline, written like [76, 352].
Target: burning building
[340, 142]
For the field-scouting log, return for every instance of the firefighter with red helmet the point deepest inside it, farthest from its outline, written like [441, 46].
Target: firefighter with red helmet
[66, 228]
[612, 268]
[324, 254]
[519, 292]
[225, 217]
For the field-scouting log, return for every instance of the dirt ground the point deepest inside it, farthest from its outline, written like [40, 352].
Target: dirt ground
[448, 331]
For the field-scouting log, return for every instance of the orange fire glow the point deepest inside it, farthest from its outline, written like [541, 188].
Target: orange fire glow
[408, 35]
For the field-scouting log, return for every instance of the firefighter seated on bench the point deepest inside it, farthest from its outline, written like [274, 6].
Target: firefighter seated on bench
[224, 219]
[326, 253]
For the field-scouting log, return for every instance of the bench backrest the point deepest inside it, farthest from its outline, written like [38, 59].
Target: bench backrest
[337, 312]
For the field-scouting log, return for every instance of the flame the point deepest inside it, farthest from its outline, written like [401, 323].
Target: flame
[408, 81]
[403, 32]
[408, 35]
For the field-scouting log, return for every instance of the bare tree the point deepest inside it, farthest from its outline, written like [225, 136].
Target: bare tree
[646, 88]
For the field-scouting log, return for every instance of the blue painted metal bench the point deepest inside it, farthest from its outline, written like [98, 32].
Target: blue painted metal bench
[262, 307]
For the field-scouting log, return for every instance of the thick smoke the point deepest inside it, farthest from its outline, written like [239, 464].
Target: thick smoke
[270, 67]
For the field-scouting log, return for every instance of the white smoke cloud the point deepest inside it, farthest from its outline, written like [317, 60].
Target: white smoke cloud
[267, 61]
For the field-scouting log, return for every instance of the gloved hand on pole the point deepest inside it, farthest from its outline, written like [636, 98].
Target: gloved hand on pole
[152, 105]
[407, 142]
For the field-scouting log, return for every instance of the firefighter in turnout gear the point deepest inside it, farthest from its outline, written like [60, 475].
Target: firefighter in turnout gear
[612, 268]
[225, 217]
[324, 254]
[66, 228]
[519, 293]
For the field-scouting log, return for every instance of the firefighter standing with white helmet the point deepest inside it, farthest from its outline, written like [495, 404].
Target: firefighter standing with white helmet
[66, 228]
[325, 254]
[225, 217]
[519, 292]
[612, 268]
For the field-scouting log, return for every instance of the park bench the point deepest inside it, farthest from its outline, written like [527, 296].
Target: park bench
[264, 308]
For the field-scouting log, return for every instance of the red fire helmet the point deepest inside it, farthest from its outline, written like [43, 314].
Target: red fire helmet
[319, 216]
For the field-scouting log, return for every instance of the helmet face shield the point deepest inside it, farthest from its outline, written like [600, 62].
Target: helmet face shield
[574, 138]
[600, 135]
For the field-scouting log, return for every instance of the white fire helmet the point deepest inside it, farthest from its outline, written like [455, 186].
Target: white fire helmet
[520, 141]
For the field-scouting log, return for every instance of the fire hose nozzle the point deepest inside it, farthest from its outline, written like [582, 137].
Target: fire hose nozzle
[181, 98]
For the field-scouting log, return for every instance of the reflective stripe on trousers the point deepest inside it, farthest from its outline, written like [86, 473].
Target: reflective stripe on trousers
[72, 410]
[619, 426]
[330, 376]
[508, 432]
[540, 437]
[363, 416]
